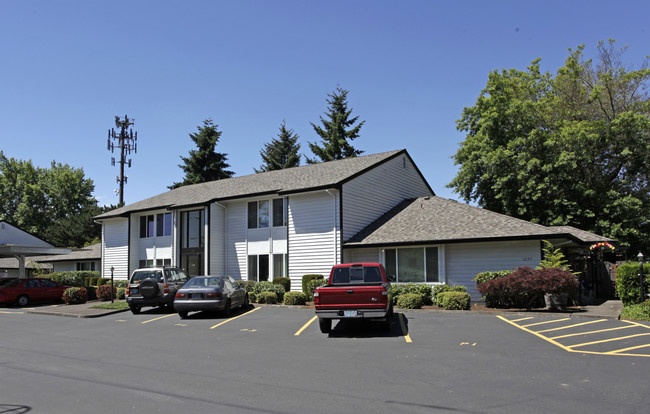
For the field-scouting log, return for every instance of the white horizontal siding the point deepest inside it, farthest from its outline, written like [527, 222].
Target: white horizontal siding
[373, 193]
[464, 261]
[115, 248]
[314, 245]
[236, 230]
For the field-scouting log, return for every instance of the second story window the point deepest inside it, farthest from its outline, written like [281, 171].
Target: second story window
[159, 225]
[147, 228]
[260, 214]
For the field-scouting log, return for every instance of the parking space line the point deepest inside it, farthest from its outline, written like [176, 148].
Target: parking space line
[523, 319]
[593, 332]
[545, 322]
[572, 326]
[305, 326]
[607, 340]
[618, 351]
[12, 313]
[406, 335]
[160, 317]
[233, 318]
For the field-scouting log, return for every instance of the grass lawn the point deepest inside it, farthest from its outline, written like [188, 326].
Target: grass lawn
[118, 304]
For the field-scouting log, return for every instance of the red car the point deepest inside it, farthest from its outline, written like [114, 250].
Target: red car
[23, 291]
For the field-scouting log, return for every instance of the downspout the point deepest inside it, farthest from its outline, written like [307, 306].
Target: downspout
[336, 240]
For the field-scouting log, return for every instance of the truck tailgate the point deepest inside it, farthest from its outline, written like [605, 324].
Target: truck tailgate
[352, 297]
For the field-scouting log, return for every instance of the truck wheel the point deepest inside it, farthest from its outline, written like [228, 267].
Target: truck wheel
[325, 325]
[387, 323]
[135, 309]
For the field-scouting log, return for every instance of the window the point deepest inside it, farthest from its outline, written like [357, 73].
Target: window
[87, 266]
[193, 232]
[259, 213]
[258, 267]
[280, 264]
[163, 262]
[417, 265]
[146, 227]
[356, 274]
[164, 224]
[145, 263]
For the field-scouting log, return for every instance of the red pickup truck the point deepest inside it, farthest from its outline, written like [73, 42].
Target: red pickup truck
[354, 291]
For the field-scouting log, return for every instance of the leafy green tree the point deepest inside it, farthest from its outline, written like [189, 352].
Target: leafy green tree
[53, 203]
[282, 152]
[204, 164]
[563, 149]
[337, 130]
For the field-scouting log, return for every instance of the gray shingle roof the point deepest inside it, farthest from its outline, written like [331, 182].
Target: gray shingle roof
[92, 252]
[310, 177]
[440, 220]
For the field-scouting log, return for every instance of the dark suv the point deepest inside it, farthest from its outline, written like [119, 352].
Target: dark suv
[154, 286]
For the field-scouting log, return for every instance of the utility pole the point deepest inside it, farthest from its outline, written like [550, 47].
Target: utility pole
[126, 142]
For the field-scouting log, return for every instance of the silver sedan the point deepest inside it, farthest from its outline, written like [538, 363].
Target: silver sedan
[210, 293]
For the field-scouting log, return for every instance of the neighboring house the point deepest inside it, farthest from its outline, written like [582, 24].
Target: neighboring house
[305, 219]
[86, 258]
[16, 245]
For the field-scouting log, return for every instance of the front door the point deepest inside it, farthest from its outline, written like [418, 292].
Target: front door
[192, 242]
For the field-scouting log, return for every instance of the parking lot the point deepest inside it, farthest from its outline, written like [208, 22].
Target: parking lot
[276, 360]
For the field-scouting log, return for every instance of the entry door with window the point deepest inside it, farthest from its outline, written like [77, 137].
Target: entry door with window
[193, 242]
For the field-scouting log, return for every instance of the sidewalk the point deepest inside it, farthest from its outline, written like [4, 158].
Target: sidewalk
[610, 309]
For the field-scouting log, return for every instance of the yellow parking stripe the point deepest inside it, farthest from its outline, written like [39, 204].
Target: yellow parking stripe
[618, 351]
[161, 317]
[608, 340]
[593, 332]
[13, 313]
[407, 337]
[236, 317]
[545, 322]
[536, 334]
[572, 326]
[305, 326]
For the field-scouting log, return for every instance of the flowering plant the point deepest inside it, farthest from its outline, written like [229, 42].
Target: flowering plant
[601, 245]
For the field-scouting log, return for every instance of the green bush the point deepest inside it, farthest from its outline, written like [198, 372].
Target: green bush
[92, 281]
[486, 276]
[267, 297]
[284, 282]
[451, 300]
[437, 290]
[637, 311]
[627, 282]
[75, 295]
[409, 301]
[75, 279]
[305, 284]
[252, 297]
[104, 292]
[103, 281]
[249, 285]
[295, 298]
[120, 283]
[311, 287]
[121, 293]
[92, 292]
[269, 287]
[421, 289]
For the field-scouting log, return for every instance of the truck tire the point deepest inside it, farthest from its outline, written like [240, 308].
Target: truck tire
[325, 325]
[149, 288]
[387, 323]
[135, 309]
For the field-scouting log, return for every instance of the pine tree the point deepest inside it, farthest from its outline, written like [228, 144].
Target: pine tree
[335, 137]
[281, 152]
[204, 164]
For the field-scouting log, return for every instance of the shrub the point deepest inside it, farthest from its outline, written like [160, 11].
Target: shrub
[284, 282]
[295, 298]
[311, 287]
[120, 293]
[409, 301]
[102, 281]
[437, 290]
[267, 297]
[249, 285]
[638, 311]
[453, 300]
[305, 282]
[104, 292]
[121, 283]
[627, 282]
[420, 289]
[486, 276]
[265, 286]
[92, 292]
[92, 281]
[525, 287]
[75, 295]
[75, 279]
[252, 297]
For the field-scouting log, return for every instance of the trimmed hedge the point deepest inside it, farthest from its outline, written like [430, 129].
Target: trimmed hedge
[492, 275]
[75, 296]
[267, 297]
[451, 300]
[638, 311]
[409, 301]
[120, 293]
[76, 279]
[437, 290]
[265, 286]
[627, 282]
[305, 284]
[311, 287]
[424, 291]
[295, 298]
[104, 292]
[249, 285]
[284, 282]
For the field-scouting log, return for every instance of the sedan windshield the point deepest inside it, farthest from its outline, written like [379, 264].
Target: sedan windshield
[215, 281]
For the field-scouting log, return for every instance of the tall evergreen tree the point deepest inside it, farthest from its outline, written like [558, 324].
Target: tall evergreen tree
[204, 164]
[335, 135]
[281, 152]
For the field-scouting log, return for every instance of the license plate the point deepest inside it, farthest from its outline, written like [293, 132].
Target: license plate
[350, 314]
[134, 291]
[197, 295]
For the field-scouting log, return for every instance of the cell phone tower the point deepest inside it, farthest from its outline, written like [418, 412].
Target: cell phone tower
[127, 142]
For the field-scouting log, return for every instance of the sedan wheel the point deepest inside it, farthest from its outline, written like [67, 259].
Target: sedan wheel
[227, 309]
[22, 300]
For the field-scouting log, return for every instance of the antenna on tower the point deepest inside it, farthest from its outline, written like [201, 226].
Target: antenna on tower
[126, 141]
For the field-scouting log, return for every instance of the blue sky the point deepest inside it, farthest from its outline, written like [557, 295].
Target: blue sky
[68, 67]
